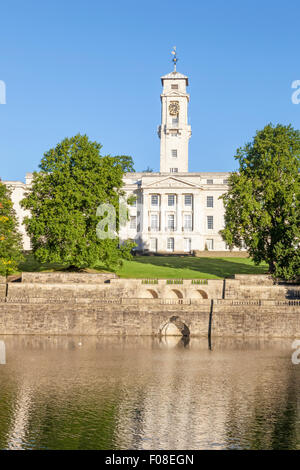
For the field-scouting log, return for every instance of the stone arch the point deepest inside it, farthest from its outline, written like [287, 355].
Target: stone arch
[178, 293]
[147, 294]
[197, 293]
[202, 293]
[152, 293]
[175, 326]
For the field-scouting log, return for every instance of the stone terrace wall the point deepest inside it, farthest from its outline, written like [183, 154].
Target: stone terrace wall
[257, 287]
[126, 306]
[270, 319]
[125, 288]
[105, 319]
[148, 316]
[220, 254]
[67, 278]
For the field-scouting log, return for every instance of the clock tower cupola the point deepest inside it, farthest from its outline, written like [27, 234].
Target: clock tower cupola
[174, 131]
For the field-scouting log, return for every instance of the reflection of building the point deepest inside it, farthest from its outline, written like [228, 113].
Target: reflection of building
[175, 211]
[145, 393]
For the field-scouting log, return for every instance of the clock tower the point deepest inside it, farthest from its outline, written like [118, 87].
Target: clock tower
[174, 131]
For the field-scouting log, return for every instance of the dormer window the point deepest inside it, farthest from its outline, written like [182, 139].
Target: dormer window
[174, 87]
[174, 153]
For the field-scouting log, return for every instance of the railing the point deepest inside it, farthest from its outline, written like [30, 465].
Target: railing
[175, 301]
[199, 281]
[149, 281]
[174, 281]
[295, 303]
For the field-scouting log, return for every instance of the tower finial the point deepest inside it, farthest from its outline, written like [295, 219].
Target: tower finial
[174, 57]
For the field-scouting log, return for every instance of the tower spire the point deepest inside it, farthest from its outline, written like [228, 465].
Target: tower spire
[174, 60]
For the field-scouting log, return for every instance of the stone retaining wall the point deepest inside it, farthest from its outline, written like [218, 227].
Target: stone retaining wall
[67, 278]
[238, 307]
[220, 254]
[148, 318]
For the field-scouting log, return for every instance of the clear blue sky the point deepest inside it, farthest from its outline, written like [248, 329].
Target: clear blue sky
[94, 67]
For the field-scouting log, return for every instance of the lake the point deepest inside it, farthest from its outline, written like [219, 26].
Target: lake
[143, 393]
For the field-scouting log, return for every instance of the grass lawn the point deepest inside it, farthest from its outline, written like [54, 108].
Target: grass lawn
[167, 267]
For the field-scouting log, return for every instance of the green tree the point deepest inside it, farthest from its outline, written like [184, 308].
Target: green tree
[74, 180]
[10, 237]
[262, 204]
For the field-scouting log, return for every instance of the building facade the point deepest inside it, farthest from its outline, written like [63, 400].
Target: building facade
[175, 211]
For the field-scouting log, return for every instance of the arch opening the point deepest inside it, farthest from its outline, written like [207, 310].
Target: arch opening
[202, 294]
[178, 294]
[175, 326]
[152, 294]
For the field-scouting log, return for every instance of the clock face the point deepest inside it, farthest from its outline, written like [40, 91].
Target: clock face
[174, 108]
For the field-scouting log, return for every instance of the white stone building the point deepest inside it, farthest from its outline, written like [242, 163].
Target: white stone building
[175, 211]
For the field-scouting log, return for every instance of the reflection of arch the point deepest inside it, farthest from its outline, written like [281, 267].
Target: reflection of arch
[175, 326]
[178, 293]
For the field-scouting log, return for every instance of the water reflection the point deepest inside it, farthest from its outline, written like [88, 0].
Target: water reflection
[143, 393]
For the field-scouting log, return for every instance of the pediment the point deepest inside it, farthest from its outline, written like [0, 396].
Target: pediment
[171, 182]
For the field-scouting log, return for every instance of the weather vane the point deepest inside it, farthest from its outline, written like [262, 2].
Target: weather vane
[174, 57]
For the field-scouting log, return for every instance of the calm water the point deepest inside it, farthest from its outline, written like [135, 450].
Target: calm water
[140, 393]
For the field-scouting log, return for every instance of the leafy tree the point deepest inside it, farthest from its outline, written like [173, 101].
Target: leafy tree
[74, 180]
[262, 204]
[10, 237]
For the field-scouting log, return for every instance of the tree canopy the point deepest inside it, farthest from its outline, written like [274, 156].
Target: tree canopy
[73, 181]
[262, 205]
[10, 237]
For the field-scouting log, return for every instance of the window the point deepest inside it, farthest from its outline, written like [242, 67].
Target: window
[173, 170]
[174, 153]
[170, 244]
[153, 244]
[133, 222]
[187, 245]
[188, 199]
[171, 199]
[154, 200]
[210, 201]
[187, 222]
[209, 181]
[210, 222]
[225, 181]
[209, 244]
[154, 221]
[174, 87]
[174, 122]
[171, 222]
